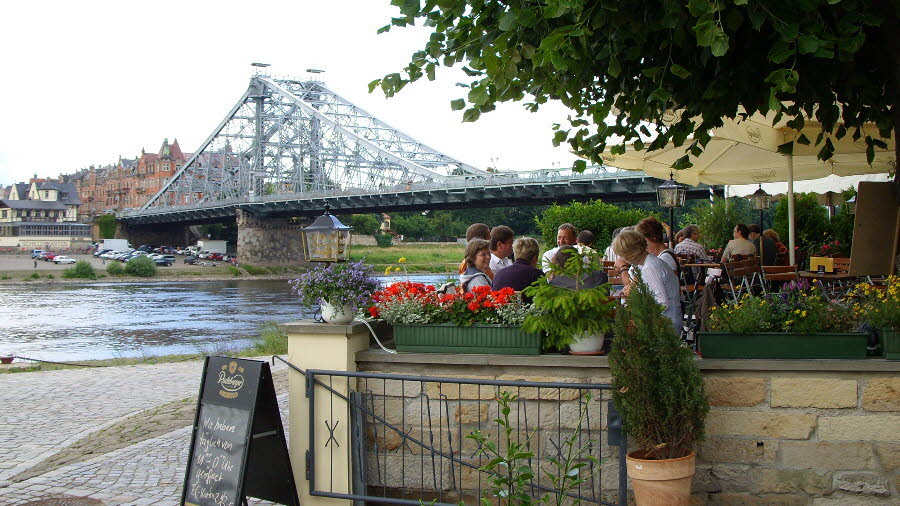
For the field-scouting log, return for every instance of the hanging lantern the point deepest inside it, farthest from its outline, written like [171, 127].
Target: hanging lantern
[670, 194]
[851, 205]
[327, 239]
[759, 201]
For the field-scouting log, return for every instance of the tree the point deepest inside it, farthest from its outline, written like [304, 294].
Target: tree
[597, 216]
[364, 224]
[836, 62]
[810, 221]
[717, 221]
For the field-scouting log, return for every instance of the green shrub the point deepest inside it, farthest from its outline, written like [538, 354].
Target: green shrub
[717, 221]
[657, 387]
[597, 216]
[270, 340]
[33, 275]
[254, 271]
[51, 276]
[141, 267]
[82, 269]
[115, 269]
[811, 224]
[106, 225]
[234, 270]
[384, 240]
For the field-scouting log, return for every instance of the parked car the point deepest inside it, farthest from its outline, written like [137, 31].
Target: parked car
[48, 256]
[100, 252]
[111, 254]
[63, 260]
[37, 252]
[163, 261]
[191, 259]
[170, 258]
[216, 257]
[203, 255]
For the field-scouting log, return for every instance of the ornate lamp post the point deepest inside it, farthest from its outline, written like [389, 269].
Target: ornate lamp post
[327, 239]
[759, 201]
[851, 205]
[671, 194]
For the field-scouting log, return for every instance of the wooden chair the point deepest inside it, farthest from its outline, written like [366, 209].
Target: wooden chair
[608, 263]
[779, 274]
[740, 276]
[841, 265]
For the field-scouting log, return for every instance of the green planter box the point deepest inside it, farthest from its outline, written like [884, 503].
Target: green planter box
[478, 338]
[890, 343]
[783, 345]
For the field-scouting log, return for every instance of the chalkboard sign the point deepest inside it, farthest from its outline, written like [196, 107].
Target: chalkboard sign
[238, 447]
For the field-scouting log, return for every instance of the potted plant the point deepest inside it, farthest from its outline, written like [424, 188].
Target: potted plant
[880, 308]
[339, 289]
[577, 312]
[427, 321]
[658, 390]
[798, 322]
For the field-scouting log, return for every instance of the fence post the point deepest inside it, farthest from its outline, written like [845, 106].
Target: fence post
[314, 345]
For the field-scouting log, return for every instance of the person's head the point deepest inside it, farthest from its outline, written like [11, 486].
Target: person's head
[771, 234]
[616, 232]
[630, 245]
[741, 230]
[478, 254]
[691, 232]
[679, 236]
[501, 241]
[563, 255]
[652, 230]
[585, 238]
[526, 249]
[566, 235]
[754, 230]
[478, 231]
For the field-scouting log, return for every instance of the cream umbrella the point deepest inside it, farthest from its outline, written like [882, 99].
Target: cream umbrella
[745, 151]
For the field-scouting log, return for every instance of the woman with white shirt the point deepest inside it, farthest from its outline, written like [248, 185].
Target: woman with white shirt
[631, 249]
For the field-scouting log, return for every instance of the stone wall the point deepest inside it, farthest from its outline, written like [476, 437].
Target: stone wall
[779, 432]
[266, 241]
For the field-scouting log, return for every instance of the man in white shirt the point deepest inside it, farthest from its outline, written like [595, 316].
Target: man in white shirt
[501, 247]
[565, 236]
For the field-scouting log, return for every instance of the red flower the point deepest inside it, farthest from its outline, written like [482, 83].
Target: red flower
[468, 296]
[473, 306]
[373, 311]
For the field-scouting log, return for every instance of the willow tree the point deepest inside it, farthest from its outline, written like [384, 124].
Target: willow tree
[619, 66]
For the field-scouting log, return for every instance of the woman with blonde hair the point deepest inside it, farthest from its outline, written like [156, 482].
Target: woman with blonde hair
[631, 249]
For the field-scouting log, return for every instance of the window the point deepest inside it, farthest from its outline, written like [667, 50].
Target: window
[3, 213]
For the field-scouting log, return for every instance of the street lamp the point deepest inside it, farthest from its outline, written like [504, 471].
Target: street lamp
[327, 239]
[851, 205]
[759, 201]
[671, 194]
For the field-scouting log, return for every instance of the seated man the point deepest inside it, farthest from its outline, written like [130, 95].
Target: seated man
[769, 248]
[591, 279]
[690, 246]
[739, 245]
[523, 271]
[566, 235]
[501, 248]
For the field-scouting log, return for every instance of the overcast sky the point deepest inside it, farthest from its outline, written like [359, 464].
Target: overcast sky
[86, 82]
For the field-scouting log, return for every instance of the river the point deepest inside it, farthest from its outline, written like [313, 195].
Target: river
[110, 320]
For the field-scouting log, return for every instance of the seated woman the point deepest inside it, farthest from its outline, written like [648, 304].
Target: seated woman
[524, 270]
[478, 260]
[591, 279]
[631, 249]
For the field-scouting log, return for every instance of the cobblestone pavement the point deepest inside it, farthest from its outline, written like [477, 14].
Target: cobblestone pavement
[45, 413]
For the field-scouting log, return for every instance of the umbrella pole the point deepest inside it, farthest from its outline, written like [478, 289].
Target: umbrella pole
[790, 196]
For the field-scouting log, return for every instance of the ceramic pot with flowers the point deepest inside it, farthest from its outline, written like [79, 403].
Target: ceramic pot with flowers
[337, 289]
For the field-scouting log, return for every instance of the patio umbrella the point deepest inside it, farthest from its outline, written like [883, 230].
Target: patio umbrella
[745, 151]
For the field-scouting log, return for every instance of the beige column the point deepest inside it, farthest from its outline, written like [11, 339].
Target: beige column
[313, 345]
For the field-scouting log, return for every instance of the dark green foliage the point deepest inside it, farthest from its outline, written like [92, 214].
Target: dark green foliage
[115, 269]
[220, 231]
[270, 340]
[657, 387]
[253, 270]
[81, 269]
[107, 226]
[810, 221]
[141, 267]
[384, 240]
[414, 226]
[597, 216]
[621, 68]
[363, 224]
[717, 221]
[234, 271]
[562, 314]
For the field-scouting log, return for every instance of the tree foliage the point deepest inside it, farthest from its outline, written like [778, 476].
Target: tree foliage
[140, 266]
[597, 216]
[106, 225]
[622, 67]
[717, 221]
[811, 223]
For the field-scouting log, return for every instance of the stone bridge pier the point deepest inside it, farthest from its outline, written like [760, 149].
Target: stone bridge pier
[168, 234]
[269, 240]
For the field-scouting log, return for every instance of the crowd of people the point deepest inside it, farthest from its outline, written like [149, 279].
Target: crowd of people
[494, 257]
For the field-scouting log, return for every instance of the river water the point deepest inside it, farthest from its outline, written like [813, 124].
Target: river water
[109, 320]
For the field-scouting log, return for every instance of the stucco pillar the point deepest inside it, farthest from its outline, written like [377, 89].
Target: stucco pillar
[313, 345]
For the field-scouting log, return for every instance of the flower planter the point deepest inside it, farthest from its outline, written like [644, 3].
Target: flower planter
[477, 338]
[890, 343]
[658, 482]
[783, 345]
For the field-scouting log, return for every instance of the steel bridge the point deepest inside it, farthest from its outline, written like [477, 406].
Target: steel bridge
[289, 147]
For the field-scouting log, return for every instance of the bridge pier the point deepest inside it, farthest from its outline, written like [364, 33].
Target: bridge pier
[158, 234]
[268, 240]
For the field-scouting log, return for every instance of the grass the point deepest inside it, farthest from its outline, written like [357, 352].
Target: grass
[435, 258]
[271, 340]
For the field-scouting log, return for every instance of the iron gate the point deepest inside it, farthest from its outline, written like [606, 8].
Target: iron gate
[408, 441]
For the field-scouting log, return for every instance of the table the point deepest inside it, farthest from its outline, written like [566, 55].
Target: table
[827, 276]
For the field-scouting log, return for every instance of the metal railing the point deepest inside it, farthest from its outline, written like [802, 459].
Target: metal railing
[408, 436]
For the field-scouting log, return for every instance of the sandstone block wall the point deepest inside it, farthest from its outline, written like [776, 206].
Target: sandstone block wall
[267, 241]
[809, 434]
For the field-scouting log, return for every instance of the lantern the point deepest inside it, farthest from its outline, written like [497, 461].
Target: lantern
[851, 205]
[327, 239]
[671, 194]
[759, 201]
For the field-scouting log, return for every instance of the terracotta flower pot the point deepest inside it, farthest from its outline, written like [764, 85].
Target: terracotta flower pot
[658, 482]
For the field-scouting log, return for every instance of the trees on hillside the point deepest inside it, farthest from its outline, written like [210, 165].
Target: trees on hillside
[834, 61]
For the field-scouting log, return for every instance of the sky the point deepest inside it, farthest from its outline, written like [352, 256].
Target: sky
[87, 82]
